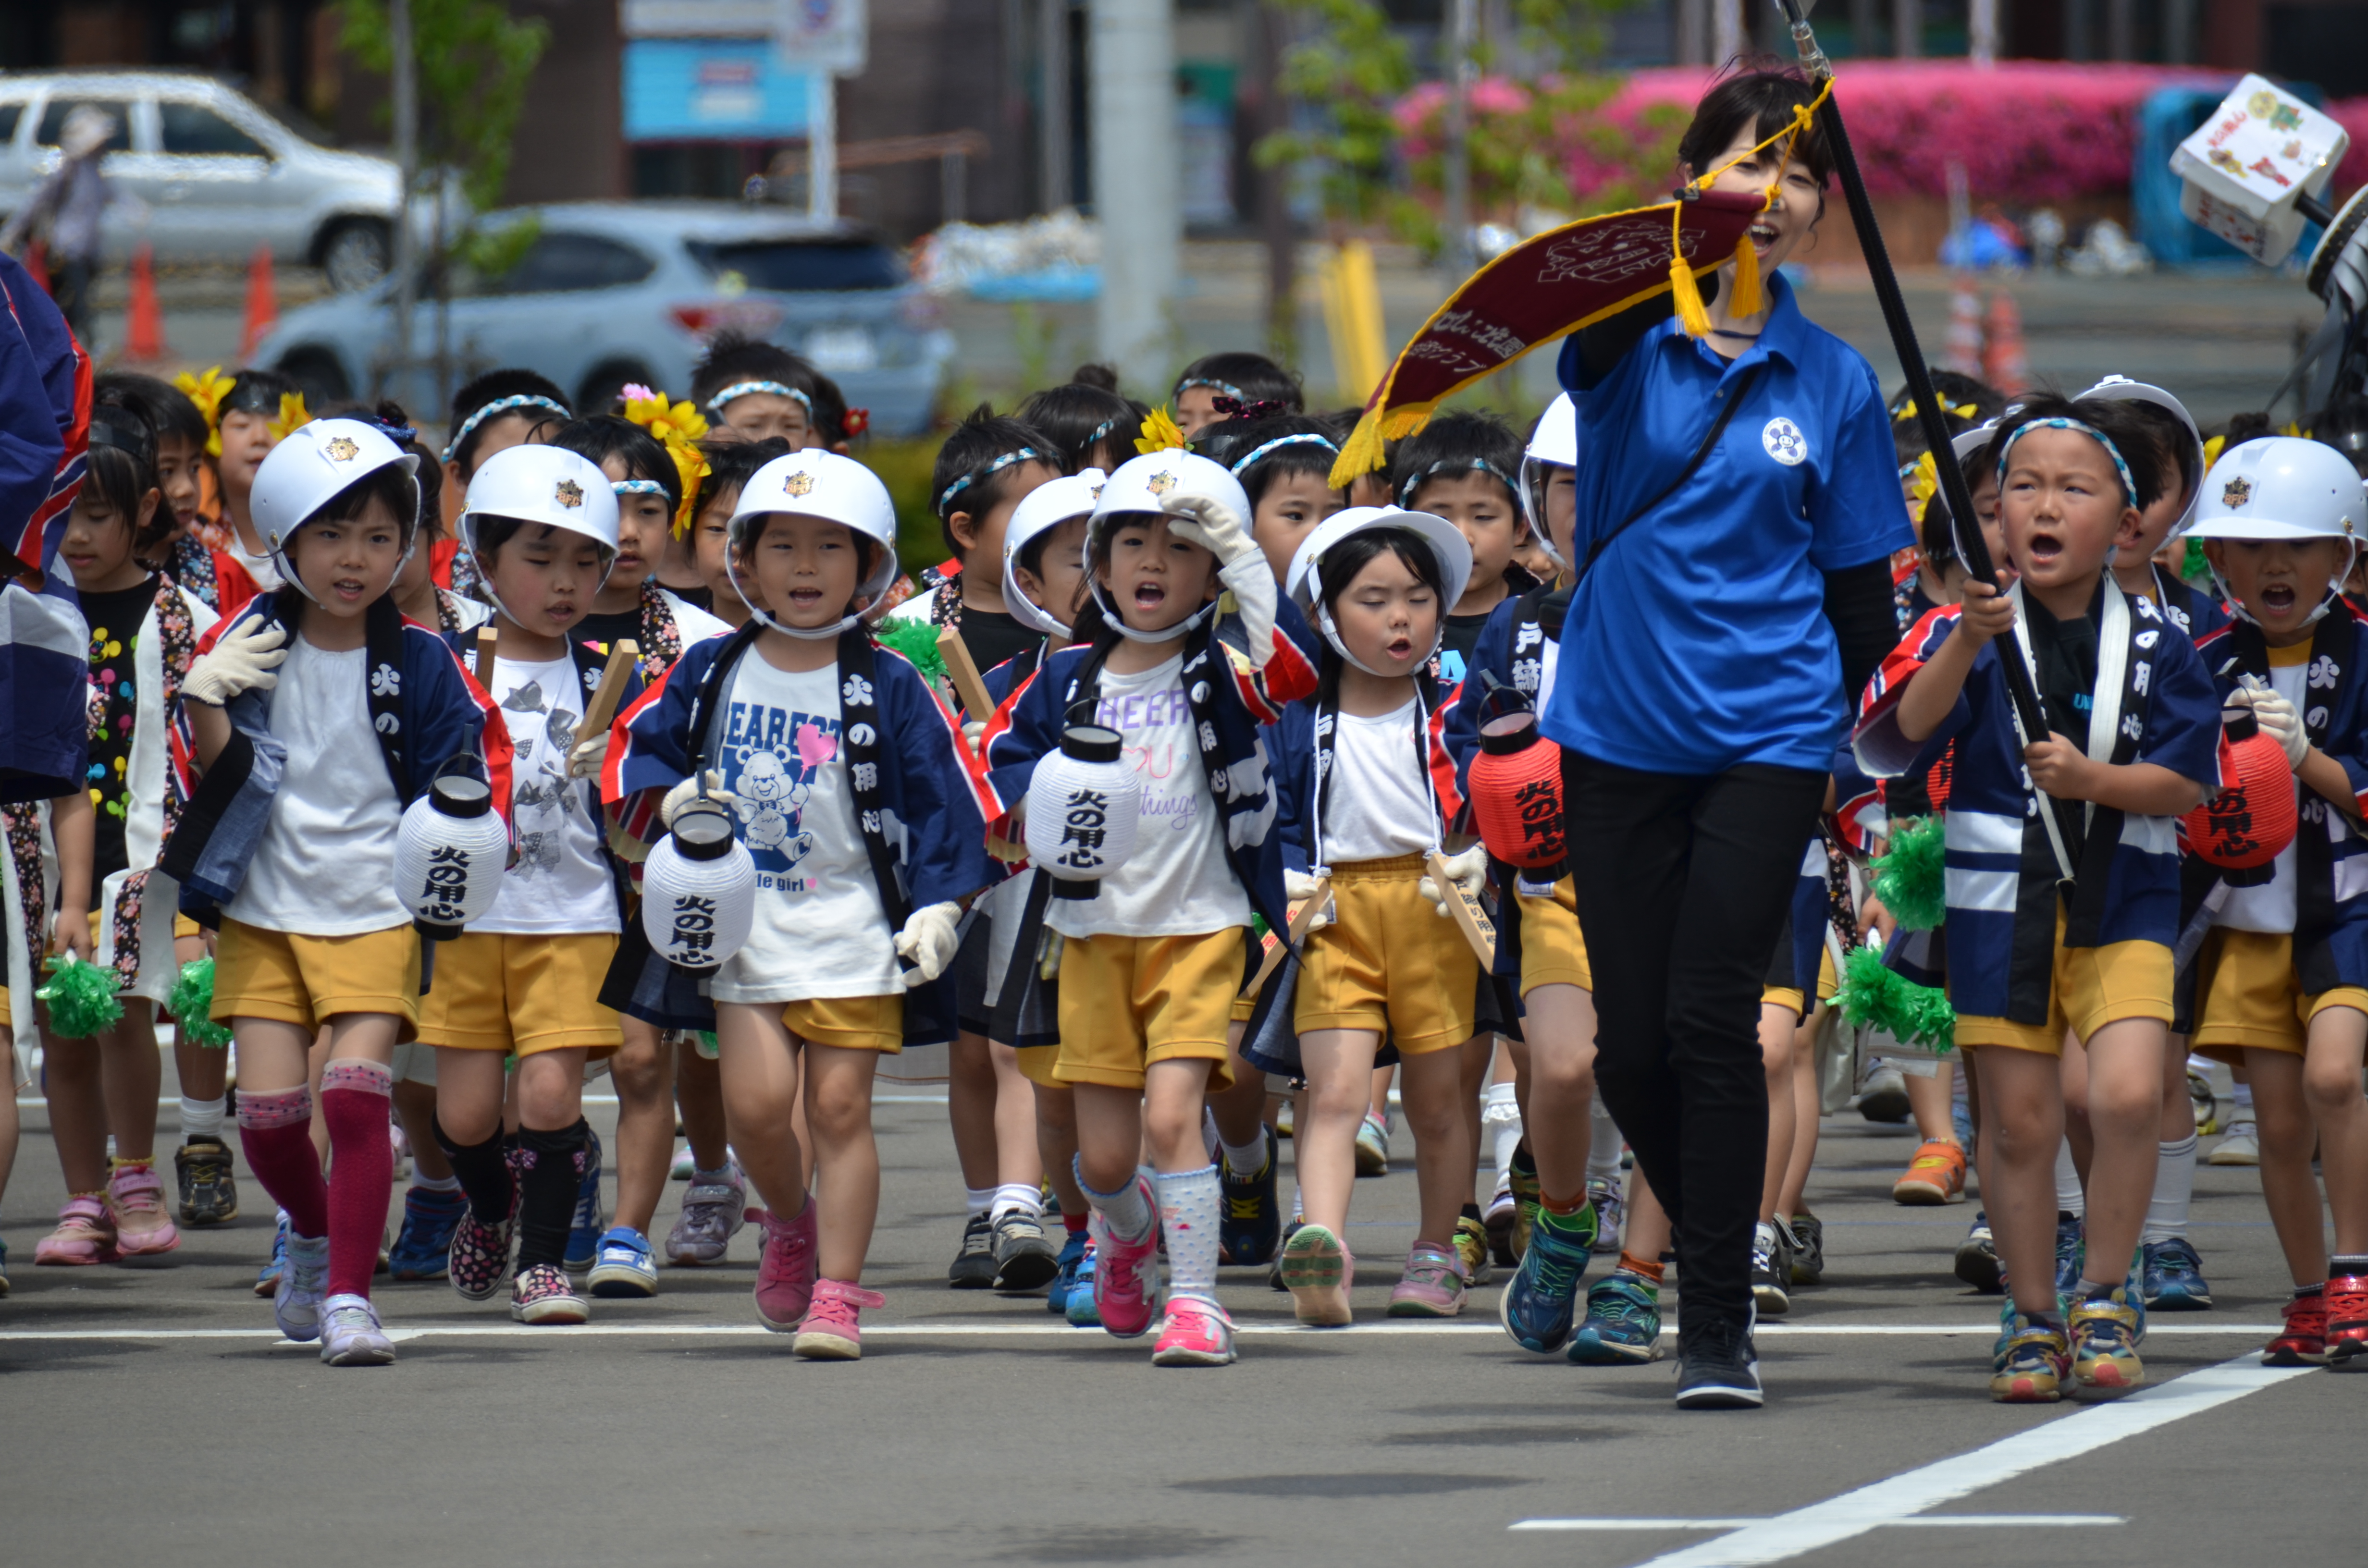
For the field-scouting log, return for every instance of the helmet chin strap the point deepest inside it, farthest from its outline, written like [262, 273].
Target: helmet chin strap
[2334, 590]
[1167, 634]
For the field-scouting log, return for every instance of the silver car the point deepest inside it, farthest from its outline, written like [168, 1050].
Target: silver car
[214, 176]
[612, 293]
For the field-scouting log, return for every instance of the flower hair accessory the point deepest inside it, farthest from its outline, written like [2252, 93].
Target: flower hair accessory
[293, 416]
[1237, 408]
[857, 422]
[1161, 432]
[676, 426]
[208, 392]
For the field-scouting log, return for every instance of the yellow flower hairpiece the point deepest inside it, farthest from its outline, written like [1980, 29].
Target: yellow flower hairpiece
[2212, 450]
[676, 426]
[1161, 432]
[293, 416]
[208, 392]
[1923, 483]
[1962, 410]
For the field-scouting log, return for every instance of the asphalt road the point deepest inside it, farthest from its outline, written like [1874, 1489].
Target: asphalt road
[148, 1413]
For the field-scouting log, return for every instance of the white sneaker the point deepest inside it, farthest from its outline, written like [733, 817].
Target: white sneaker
[350, 1336]
[296, 1302]
[2241, 1147]
[1884, 1098]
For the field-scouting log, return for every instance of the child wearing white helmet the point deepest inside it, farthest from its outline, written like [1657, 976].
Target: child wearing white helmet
[318, 714]
[1180, 654]
[2281, 980]
[522, 983]
[1367, 793]
[2175, 448]
[866, 817]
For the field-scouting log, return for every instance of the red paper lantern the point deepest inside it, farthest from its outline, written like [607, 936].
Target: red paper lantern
[1517, 796]
[2252, 819]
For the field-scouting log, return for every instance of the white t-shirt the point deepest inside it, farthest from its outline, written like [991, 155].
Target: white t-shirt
[819, 930]
[1376, 803]
[325, 866]
[259, 567]
[2271, 907]
[693, 624]
[561, 883]
[1177, 883]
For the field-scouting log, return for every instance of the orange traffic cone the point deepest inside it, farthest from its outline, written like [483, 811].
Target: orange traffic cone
[143, 334]
[1963, 344]
[2004, 364]
[262, 302]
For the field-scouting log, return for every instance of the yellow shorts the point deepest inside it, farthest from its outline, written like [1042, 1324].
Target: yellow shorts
[1039, 1063]
[493, 991]
[1784, 996]
[1388, 962]
[850, 1023]
[185, 926]
[307, 980]
[1554, 950]
[2090, 987]
[2249, 998]
[1127, 1002]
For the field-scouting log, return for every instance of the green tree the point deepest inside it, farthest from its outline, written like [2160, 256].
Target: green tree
[1356, 68]
[475, 60]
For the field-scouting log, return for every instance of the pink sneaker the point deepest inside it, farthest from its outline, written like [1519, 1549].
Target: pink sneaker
[86, 1233]
[785, 1271]
[1197, 1334]
[834, 1329]
[1433, 1286]
[1126, 1274]
[135, 1199]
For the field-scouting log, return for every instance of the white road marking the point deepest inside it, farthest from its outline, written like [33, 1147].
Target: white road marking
[1004, 1330]
[1907, 1497]
[2035, 1521]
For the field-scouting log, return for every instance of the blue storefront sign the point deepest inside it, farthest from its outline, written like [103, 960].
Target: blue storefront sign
[710, 89]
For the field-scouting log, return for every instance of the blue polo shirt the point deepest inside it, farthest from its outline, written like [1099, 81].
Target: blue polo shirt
[1699, 641]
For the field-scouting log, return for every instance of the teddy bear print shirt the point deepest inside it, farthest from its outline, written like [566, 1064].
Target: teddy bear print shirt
[559, 884]
[819, 929]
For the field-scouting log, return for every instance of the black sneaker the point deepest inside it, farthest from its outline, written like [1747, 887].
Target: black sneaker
[1771, 1269]
[1717, 1369]
[209, 1197]
[1809, 1258]
[1977, 1260]
[974, 1266]
[1249, 1222]
[1024, 1259]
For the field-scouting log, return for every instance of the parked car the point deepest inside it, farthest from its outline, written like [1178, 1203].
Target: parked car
[611, 292]
[213, 173]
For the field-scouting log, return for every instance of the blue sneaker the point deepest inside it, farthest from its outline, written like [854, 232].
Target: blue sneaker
[1080, 1309]
[266, 1278]
[2071, 1253]
[1622, 1326]
[1064, 1275]
[1249, 1225]
[584, 1230]
[1537, 1306]
[422, 1249]
[625, 1265]
[2172, 1278]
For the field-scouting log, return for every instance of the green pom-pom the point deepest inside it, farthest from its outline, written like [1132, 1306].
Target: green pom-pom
[1911, 880]
[707, 1046]
[192, 1005]
[81, 998]
[918, 640]
[2194, 566]
[1873, 996]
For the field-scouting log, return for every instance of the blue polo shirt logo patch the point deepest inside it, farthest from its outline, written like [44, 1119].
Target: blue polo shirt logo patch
[1784, 441]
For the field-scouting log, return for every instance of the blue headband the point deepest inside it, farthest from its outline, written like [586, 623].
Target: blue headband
[1306, 438]
[637, 487]
[741, 389]
[1020, 454]
[499, 405]
[2129, 485]
[1226, 387]
[1455, 465]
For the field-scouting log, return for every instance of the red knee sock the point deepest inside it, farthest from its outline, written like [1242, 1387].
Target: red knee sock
[276, 1131]
[355, 1100]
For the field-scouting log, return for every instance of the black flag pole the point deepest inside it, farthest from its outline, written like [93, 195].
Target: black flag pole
[2030, 715]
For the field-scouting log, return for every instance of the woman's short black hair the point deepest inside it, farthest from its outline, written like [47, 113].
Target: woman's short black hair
[121, 466]
[2110, 417]
[1246, 377]
[1080, 416]
[1454, 443]
[490, 388]
[735, 356]
[597, 437]
[978, 463]
[1760, 96]
[170, 414]
[1232, 441]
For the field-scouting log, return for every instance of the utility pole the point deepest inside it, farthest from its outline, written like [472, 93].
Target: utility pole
[1133, 83]
[822, 146]
[1981, 32]
[1052, 57]
[1457, 183]
[406, 157]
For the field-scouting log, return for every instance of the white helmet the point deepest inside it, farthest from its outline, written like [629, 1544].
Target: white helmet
[1046, 506]
[2282, 487]
[1142, 485]
[2121, 388]
[1554, 444]
[544, 486]
[1304, 582]
[316, 462]
[819, 484]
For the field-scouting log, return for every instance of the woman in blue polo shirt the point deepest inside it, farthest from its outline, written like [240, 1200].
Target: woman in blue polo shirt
[1727, 613]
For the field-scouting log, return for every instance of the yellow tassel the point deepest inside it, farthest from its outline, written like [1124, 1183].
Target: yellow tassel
[1748, 301]
[1404, 422]
[1691, 314]
[1362, 454]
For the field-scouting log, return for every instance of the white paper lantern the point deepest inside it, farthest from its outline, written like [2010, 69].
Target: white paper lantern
[699, 890]
[450, 854]
[1085, 805]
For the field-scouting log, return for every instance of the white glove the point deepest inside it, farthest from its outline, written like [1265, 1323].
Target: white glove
[2279, 721]
[1211, 524]
[973, 730]
[586, 760]
[1468, 871]
[928, 940]
[682, 794]
[242, 661]
[1298, 887]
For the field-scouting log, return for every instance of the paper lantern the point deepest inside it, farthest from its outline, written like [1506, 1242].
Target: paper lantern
[1085, 805]
[2249, 822]
[450, 854]
[699, 890]
[1516, 797]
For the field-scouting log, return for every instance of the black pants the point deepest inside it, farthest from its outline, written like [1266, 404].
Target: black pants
[1684, 882]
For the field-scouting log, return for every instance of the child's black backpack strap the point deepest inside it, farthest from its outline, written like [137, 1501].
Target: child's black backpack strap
[861, 743]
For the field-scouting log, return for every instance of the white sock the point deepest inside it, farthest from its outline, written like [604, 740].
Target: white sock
[203, 1119]
[976, 1200]
[2174, 1189]
[1249, 1159]
[2244, 1112]
[1129, 1211]
[1209, 1136]
[1603, 1142]
[2070, 1199]
[1501, 1119]
[433, 1184]
[1016, 1197]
